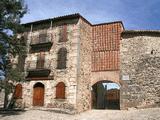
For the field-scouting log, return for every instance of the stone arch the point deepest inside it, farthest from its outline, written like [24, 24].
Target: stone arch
[38, 94]
[105, 94]
[39, 83]
[106, 75]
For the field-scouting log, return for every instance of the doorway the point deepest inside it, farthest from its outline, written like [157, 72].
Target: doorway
[106, 95]
[38, 94]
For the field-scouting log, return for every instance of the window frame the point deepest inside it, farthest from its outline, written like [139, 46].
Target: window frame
[63, 34]
[62, 58]
[40, 64]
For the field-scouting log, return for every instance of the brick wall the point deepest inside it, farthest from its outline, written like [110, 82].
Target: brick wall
[105, 46]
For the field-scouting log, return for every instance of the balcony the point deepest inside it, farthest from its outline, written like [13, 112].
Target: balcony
[39, 43]
[38, 72]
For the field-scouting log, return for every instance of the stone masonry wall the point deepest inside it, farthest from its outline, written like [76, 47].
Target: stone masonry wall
[84, 67]
[140, 69]
[68, 75]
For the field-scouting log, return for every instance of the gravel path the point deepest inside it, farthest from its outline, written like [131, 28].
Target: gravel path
[131, 114]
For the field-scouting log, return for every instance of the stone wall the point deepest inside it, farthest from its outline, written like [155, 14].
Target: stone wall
[68, 75]
[77, 75]
[140, 69]
[84, 67]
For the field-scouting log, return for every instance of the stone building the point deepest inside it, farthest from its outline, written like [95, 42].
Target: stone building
[140, 69]
[66, 56]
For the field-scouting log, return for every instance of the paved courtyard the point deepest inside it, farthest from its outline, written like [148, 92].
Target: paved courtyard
[131, 114]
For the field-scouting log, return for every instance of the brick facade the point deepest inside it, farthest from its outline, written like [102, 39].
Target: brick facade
[106, 43]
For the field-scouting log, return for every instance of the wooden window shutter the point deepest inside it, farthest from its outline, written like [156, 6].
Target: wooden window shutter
[62, 58]
[60, 90]
[18, 91]
[42, 37]
[40, 60]
[63, 33]
[34, 39]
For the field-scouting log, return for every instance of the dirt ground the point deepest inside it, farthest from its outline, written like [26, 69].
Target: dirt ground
[131, 114]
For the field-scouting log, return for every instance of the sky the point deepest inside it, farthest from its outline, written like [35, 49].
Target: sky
[135, 14]
[111, 86]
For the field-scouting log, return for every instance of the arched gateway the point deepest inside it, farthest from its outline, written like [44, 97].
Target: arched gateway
[38, 94]
[105, 95]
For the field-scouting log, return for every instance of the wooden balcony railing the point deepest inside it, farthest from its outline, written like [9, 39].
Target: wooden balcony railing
[41, 42]
[38, 71]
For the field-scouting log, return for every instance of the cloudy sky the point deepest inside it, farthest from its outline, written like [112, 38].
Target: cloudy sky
[135, 14]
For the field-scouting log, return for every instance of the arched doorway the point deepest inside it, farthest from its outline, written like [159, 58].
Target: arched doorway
[38, 94]
[105, 95]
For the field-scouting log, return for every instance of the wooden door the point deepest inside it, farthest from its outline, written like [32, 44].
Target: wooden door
[38, 95]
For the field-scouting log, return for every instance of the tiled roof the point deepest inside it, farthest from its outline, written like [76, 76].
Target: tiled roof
[144, 32]
[76, 15]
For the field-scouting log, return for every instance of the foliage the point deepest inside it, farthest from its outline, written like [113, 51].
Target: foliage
[11, 11]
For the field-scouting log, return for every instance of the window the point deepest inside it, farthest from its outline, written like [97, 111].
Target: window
[63, 33]
[40, 60]
[18, 91]
[62, 57]
[42, 37]
[60, 91]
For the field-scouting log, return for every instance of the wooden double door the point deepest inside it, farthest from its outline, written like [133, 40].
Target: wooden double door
[38, 94]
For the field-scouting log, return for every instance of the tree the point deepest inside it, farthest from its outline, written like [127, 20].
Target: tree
[11, 11]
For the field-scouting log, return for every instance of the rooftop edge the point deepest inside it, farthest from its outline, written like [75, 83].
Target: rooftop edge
[70, 16]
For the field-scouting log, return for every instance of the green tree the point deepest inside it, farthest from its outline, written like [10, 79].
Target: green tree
[11, 11]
